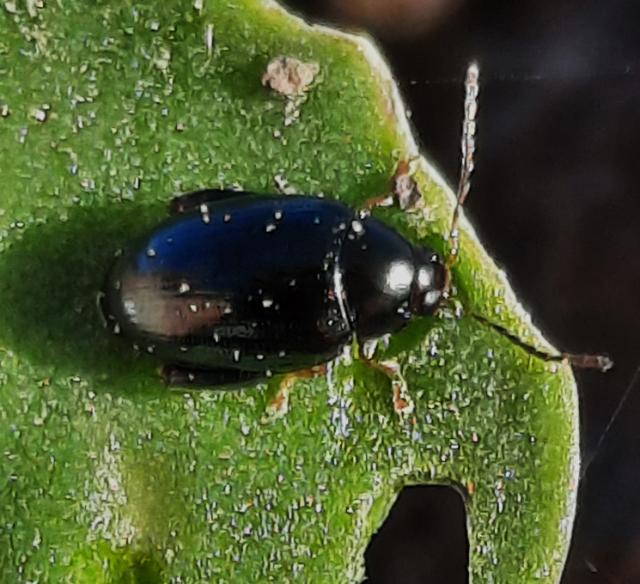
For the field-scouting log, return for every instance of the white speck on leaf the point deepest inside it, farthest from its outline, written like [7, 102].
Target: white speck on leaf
[208, 38]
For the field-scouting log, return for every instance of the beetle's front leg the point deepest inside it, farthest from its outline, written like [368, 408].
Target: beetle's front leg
[404, 191]
[402, 402]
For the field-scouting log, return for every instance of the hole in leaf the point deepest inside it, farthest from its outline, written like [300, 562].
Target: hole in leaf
[423, 540]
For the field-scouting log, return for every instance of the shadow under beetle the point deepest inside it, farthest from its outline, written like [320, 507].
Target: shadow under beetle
[236, 285]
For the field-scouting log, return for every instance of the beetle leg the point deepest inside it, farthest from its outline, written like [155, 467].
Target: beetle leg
[379, 201]
[290, 378]
[193, 378]
[404, 190]
[402, 402]
[279, 405]
[195, 200]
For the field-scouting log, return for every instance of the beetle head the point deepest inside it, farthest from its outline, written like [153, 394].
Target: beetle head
[428, 282]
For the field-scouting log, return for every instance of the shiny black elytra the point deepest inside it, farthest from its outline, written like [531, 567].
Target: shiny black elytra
[236, 285]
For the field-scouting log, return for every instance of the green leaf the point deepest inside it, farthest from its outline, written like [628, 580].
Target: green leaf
[106, 109]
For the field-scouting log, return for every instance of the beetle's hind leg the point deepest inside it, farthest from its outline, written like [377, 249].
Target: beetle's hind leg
[198, 200]
[176, 376]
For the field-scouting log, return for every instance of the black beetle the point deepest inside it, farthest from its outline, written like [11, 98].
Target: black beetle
[237, 285]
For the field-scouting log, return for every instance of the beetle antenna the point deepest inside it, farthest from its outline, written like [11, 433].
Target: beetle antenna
[468, 147]
[600, 362]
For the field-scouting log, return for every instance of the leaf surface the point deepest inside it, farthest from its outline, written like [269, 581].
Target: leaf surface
[106, 110]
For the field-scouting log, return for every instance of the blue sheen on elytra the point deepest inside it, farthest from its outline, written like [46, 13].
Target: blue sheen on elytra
[247, 242]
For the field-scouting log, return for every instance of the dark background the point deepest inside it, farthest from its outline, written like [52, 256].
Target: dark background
[555, 200]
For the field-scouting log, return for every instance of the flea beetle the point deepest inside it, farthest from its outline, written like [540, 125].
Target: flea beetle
[236, 286]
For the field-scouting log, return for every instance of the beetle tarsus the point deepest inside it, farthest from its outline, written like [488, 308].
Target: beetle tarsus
[278, 405]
